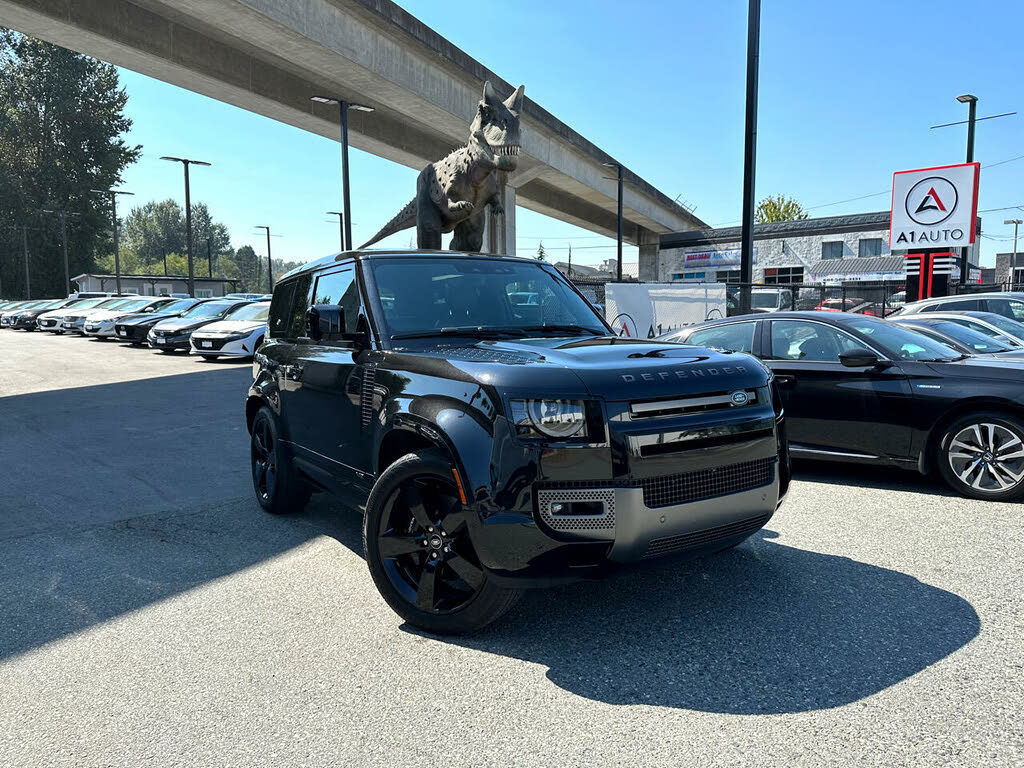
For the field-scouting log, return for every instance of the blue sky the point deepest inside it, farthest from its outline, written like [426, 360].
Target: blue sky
[848, 92]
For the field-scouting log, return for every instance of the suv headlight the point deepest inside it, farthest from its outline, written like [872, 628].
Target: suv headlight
[558, 419]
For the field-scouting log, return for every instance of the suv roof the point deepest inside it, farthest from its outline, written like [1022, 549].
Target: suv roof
[326, 261]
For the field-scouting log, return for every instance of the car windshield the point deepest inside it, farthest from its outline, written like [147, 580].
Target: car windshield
[134, 304]
[254, 312]
[903, 343]
[208, 309]
[969, 337]
[764, 300]
[426, 297]
[113, 303]
[83, 303]
[175, 306]
[1005, 324]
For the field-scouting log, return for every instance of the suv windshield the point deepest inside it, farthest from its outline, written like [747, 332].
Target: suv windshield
[255, 312]
[424, 297]
[207, 309]
[902, 343]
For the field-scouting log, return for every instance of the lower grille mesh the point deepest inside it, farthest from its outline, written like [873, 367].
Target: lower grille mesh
[697, 538]
[707, 483]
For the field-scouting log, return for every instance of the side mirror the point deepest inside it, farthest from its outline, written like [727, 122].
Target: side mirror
[325, 323]
[859, 358]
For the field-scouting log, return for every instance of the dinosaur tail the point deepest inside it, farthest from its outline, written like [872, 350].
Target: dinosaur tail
[404, 219]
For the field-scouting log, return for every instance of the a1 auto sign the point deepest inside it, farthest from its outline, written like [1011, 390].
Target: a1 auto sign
[934, 207]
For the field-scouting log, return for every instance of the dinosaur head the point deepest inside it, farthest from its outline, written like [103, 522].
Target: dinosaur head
[498, 121]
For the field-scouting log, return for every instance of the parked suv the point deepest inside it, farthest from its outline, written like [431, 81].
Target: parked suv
[1006, 303]
[498, 444]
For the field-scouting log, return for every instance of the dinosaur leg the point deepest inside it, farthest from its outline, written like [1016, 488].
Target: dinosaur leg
[428, 219]
[469, 234]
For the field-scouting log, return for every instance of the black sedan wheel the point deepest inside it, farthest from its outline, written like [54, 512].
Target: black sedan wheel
[982, 456]
[278, 488]
[418, 548]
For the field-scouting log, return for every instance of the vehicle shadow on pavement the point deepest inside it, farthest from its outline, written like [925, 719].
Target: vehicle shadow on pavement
[869, 476]
[765, 628]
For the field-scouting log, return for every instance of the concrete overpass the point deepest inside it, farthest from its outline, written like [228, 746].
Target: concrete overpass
[270, 56]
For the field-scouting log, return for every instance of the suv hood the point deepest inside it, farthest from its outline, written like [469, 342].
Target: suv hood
[610, 367]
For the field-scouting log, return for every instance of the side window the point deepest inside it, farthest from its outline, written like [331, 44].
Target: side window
[959, 305]
[339, 288]
[734, 337]
[813, 342]
[1007, 308]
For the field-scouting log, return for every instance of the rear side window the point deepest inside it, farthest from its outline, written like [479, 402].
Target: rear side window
[288, 309]
[341, 289]
[1007, 308]
[735, 337]
[959, 305]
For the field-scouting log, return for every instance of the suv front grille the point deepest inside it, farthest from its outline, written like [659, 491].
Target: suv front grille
[685, 487]
[697, 538]
[716, 401]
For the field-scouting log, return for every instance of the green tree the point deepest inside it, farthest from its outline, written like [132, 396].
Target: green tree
[778, 208]
[245, 262]
[61, 136]
[154, 230]
[541, 253]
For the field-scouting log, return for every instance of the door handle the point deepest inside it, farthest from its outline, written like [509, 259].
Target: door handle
[785, 380]
[293, 372]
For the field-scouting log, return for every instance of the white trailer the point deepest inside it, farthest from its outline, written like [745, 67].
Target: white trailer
[647, 310]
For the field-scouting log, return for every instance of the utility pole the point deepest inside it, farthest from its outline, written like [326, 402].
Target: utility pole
[972, 112]
[186, 162]
[343, 108]
[750, 153]
[270, 264]
[209, 258]
[117, 246]
[24, 242]
[570, 262]
[63, 213]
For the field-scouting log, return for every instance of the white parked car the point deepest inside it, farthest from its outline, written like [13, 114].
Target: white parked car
[51, 321]
[237, 335]
[74, 321]
[101, 322]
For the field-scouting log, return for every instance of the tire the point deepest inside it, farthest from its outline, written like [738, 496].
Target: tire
[274, 480]
[981, 456]
[440, 586]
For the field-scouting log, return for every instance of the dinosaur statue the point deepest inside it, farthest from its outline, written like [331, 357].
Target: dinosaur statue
[453, 194]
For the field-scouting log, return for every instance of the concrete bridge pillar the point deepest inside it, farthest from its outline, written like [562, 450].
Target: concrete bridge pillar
[648, 257]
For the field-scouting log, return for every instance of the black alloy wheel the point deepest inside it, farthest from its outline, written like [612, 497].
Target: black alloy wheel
[278, 488]
[418, 548]
[982, 456]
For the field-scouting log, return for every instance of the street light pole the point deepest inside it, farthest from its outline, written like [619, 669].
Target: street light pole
[750, 153]
[972, 110]
[117, 243]
[186, 162]
[209, 258]
[343, 108]
[618, 257]
[341, 225]
[1013, 259]
[270, 264]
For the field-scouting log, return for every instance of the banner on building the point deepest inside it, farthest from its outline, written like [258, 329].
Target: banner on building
[934, 207]
[729, 257]
[646, 310]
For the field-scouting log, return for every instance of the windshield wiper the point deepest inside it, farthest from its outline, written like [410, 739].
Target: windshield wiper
[481, 332]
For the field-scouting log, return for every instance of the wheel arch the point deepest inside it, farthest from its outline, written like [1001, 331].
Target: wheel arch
[963, 408]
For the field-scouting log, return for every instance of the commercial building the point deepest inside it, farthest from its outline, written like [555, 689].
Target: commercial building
[828, 250]
[156, 285]
[1010, 268]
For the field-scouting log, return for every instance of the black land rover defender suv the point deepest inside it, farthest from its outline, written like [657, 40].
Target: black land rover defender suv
[497, 431]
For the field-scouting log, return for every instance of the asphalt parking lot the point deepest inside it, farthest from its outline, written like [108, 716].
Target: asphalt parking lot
[151, 614]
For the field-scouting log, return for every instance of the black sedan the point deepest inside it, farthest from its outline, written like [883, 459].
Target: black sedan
[134, 328]
[174, 333]
[861, 389]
